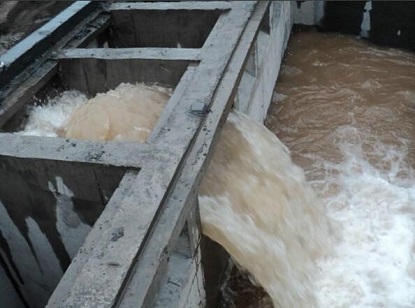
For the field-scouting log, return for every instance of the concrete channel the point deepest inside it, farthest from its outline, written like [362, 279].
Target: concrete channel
[94, 224]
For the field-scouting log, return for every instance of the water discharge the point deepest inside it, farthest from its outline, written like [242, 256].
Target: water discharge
[346, 110]
[254, 201]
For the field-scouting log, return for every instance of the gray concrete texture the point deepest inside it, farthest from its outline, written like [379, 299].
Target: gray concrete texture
[60, 200]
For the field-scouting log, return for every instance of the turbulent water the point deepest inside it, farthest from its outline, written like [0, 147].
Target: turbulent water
[254, 201]
[346, 110]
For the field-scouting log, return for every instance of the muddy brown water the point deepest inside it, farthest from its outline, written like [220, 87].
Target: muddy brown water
[329, 81]
[345, 110]
[249, 202]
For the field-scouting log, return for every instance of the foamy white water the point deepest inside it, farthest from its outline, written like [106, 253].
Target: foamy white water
[374, 263]
[49, 119]
[253, 200]
[257, 204]
[347, 114]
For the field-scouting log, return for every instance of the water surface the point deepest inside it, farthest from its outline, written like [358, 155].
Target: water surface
[346, 111]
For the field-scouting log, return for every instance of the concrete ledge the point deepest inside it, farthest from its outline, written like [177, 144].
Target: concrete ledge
[120, 154]
[189, 54]
[155, 204]
[181, 5]
[258, 81]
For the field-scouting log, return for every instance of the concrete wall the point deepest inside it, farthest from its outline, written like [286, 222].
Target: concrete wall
[389, 23]
[47, 209]
[184, 282]
[199, 281]
[190, 281]
[308, 12]
[258, 81]
[193, 280]
[187, 28]
[8, 294]
[47, 206]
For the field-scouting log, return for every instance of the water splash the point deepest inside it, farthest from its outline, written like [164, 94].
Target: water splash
[253, 200]
[349, 124]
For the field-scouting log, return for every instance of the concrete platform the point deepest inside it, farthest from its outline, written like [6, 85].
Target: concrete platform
[93, 224]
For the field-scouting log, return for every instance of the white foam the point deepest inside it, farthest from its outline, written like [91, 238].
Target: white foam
[373, 264]
[48, 119]
[253, 200]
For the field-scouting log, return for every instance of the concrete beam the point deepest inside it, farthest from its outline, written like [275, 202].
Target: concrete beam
[125, 258]
[180, 5]
[120, 154]
[188, 54]
[214, 81]
[25, 85]
[19, 56]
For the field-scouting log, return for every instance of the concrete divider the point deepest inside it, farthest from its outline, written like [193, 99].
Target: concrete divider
[92, 224]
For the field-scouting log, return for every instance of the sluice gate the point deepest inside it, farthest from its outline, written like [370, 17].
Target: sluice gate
[111, 224]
